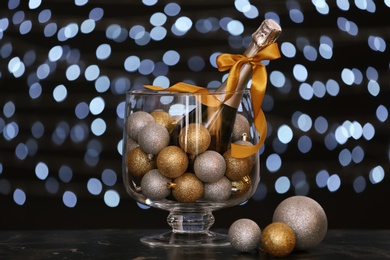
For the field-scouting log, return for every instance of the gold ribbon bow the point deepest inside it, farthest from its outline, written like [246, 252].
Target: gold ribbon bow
[234, 62]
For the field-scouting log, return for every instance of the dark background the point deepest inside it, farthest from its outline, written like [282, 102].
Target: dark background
[43, 207]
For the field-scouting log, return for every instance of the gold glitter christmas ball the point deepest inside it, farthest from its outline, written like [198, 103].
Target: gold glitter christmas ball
[164, 119]
[172, 161]
[194, 138]
[278, 239]
[241, 126]
[139, 163]
[242, 186]
[153, 138]
[187, 188]
[237, 168]
[306, 217]
[244, 235]
[136, 121]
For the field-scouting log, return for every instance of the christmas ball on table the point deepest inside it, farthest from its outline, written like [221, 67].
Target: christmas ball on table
[237, 168]
[244, 235]
[172, 161]
[209, 166]
[194, 138]
[278, 239]
[306, 218]
[139, 163]
[187, 188]
[154, 185]
[219, 190]
[136, 121]
[163, 118]
[241, 126]
[153, 138]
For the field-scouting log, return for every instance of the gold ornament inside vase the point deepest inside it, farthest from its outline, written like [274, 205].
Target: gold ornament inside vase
[139, 163]
[194, 138]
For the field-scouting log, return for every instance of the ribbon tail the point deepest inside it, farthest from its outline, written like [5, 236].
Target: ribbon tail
[259, 83]
[257, 90]
[178, 87]
[242, 151]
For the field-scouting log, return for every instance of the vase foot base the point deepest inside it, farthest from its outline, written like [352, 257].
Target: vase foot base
[171, 239]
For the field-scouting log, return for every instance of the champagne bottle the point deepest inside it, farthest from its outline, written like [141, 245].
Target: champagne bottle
[220, 120]
[266, 34]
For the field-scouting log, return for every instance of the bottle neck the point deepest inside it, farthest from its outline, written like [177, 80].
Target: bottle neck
[245, 74]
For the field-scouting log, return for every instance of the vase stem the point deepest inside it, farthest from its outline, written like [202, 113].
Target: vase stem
[190, 222]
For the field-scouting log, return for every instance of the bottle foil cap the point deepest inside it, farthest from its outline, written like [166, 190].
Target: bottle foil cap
[267, 33]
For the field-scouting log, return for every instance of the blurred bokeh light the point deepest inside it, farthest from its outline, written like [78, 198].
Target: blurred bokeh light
[65, 67]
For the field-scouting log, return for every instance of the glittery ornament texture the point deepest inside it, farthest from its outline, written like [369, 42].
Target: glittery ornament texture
[136, 121]
[306, 217]
[278, 239]
[209, 166]
[237, 168]
[154, 185]
[244, 235]
[187, 188]
[164, 119]
[194, 138]
[172, 161]
[218, 191]
[139, 163]
[153, 138]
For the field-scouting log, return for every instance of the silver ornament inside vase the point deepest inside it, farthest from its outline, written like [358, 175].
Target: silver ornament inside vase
[136, 121]
[153, 138]
[218, 191]
[154, 185]
[209, 166]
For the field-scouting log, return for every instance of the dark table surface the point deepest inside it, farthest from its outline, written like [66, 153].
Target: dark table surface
[125, 244]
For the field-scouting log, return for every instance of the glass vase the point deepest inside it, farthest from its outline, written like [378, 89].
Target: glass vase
[175, 159]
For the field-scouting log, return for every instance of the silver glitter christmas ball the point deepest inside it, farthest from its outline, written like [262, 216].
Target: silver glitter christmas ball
[306, 217]
[218, 191]
[241, 126]
[153, 138]
[209, 166]
[154, 185]
[136, 121]
[244, 235]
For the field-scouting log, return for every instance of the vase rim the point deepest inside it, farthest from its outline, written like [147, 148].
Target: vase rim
[211, 92]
